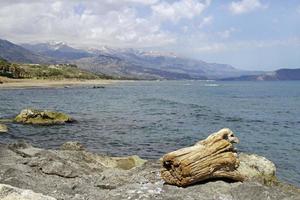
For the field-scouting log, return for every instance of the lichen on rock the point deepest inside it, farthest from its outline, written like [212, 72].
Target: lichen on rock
[257, 167]
[42, 117]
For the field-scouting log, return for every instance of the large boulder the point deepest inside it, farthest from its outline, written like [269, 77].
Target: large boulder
[42, 117]
[8, 192]
[125, 163]
[256, 167]
[3, 128]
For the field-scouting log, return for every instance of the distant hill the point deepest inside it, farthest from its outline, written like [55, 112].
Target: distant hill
[121, 63]
[16, 53]
[57, 50]
[44, 71]
[278, 75]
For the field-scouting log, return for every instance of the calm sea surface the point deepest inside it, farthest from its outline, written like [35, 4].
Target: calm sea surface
[153, 118]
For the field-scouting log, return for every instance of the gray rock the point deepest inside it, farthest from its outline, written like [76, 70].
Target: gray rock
[81, 175]
[72, 146]
[24, 149]
[257, 167]
[8, 192]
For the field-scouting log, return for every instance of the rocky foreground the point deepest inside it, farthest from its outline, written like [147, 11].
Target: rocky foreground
[73, 173]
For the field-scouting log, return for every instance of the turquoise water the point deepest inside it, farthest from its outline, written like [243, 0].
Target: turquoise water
[152, 118]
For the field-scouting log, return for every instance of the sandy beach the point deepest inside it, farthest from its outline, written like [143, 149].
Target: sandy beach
[33, 83]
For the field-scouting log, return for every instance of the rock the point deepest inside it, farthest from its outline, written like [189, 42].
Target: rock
[42, 117]
[72, 161]
[98, 86]
[24, 149]
[129, 162]
[20, 144]
[59, 168]
[72, 146]
[80, 175]
[3, 128]
[8, 192]
[125, 163]
[257, 167]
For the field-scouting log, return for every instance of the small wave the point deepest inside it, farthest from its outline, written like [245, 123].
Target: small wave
[233, 119]
[211, 85]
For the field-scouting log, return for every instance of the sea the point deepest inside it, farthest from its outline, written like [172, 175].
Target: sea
[151, 118]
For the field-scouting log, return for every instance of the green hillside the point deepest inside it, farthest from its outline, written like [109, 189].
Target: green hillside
[42, 71]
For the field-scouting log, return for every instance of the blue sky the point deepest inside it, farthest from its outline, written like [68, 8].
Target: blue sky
[248, 34]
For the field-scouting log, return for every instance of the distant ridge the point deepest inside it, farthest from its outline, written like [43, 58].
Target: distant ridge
[278, 75]
[16, 53]
[57, 50]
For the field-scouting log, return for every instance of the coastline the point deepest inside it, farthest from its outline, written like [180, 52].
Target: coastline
[35, 83]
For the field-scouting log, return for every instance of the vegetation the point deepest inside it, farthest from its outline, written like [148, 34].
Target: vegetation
[37, 71]
[10, 70]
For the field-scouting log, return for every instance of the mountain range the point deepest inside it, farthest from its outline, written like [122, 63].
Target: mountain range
[121, 63]
[133, 63]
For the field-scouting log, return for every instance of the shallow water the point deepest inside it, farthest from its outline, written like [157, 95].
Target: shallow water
[152, 118]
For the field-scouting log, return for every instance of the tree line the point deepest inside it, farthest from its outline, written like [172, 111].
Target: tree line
[11, 70]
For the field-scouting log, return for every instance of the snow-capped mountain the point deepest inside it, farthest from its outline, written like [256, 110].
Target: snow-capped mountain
[58, 50]
[120, 62]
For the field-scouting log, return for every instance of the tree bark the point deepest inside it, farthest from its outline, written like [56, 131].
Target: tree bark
[214, 157]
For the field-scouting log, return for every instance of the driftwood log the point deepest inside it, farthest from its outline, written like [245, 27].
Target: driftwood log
[214, 157]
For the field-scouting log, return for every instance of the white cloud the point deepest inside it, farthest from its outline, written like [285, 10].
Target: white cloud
[227, 33]
[185, 29]
[211, 48]
[206, 21]
[292, 41]
[245, 6]
[126, 23]
[111, 22]
[179, 9]
[214, 47]
[146, 2]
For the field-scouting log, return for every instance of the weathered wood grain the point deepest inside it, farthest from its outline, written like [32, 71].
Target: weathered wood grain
[212, 158]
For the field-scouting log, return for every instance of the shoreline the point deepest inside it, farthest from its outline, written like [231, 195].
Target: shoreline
[35, 83]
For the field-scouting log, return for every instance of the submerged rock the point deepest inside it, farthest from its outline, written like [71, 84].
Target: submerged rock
[8, 192]
[98, 86]
[78, 175]
[3, 128]
[42, 117]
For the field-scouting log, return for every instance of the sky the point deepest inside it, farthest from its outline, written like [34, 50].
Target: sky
[248, 34]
